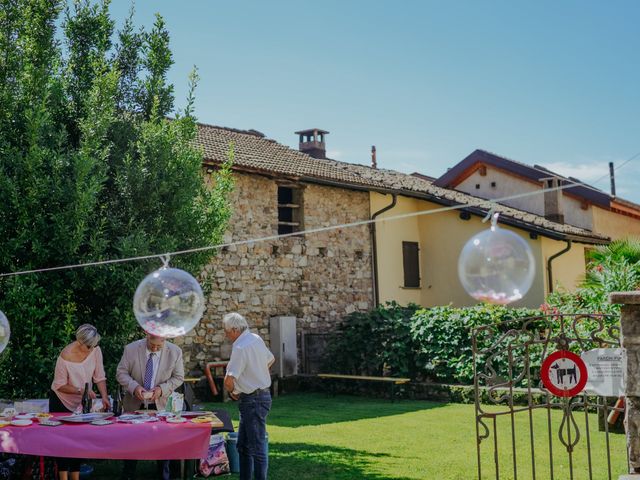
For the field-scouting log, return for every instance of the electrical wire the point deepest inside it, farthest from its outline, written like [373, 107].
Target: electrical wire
[482, 203]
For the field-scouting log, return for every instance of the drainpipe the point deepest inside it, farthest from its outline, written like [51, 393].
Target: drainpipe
[374, 246]
[552, 258]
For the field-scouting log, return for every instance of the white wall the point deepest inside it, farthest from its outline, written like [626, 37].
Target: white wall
[507, 184]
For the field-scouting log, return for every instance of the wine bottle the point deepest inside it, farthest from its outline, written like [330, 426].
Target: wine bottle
[117, 402]
[86, 400]
[114, 404]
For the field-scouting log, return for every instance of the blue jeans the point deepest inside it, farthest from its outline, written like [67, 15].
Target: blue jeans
[252, 447]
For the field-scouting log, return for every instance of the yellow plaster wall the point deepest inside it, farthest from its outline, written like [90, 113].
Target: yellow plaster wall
[569, 268]
[614, 224]
[390, 236]
[441, 237]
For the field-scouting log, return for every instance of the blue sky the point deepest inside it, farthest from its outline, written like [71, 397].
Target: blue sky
[546, 82]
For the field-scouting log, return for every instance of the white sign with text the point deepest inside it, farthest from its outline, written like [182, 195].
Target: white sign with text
[606, 371]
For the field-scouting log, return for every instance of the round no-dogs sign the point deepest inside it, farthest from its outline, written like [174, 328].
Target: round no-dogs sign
[564, 373]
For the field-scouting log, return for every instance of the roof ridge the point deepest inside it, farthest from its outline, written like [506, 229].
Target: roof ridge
[534, 166]
[542, 168]
[251, 131]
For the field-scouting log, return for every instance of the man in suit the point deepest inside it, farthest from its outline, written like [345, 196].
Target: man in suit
[153, 368]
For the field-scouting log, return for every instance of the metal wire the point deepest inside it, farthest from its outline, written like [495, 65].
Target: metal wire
[482, 204]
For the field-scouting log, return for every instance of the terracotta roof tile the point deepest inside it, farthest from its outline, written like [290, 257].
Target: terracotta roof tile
[254, 152]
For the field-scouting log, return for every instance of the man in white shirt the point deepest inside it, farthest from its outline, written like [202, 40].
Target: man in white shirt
[248, 379]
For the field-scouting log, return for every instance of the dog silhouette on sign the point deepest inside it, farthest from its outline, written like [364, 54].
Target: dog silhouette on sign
[562, 372]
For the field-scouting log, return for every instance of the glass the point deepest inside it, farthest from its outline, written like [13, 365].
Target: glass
[496, 266]
[168, 303]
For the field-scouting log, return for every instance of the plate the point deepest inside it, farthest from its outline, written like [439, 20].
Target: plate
[25, 416]
[211, 419]
[50, 423]
[86, 417]
[128, 416]
[146, 412]
[101, 422]
[176, 420]
[203, 413]
[43, 415]
[23, 422]
[131, 418]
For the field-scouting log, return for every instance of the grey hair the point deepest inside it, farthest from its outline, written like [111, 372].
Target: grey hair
[88, 335]
[235, 321]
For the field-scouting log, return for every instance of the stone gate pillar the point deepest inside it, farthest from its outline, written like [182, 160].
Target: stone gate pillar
[630, 339]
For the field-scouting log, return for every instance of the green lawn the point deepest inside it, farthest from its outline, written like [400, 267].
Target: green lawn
[314, 436]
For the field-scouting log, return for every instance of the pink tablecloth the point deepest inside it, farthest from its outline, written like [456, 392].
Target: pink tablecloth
[145, 441]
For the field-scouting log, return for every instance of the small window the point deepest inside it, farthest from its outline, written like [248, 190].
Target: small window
[411, 263]
[289, 210]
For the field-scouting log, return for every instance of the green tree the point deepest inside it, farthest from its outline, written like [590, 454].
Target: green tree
[623, 248]
[614, 267]
[91, 168]
[611, 268]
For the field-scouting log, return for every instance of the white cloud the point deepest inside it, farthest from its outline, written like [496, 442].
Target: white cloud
[588, 172]
[596, 174]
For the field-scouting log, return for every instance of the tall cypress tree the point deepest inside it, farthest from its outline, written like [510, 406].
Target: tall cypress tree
[91, 168]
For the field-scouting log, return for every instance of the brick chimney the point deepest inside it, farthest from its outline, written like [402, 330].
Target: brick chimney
[312, 142]
[553, 208]
[374, 161]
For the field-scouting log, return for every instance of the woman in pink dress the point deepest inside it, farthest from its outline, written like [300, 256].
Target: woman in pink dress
[79, 363]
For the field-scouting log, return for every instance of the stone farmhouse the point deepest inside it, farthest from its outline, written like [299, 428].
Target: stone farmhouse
[316, 279]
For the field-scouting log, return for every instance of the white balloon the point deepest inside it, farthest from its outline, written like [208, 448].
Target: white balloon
[496, 266]
[168, 302]
[5, 332]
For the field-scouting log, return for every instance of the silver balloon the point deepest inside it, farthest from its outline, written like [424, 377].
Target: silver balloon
[168, 302]
[5, 332]
[496, 266]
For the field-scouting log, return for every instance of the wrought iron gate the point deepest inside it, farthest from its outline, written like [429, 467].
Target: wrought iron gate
[547, 437]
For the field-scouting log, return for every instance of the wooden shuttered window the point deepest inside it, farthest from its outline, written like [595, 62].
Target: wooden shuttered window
[290, 209]
[411, 263]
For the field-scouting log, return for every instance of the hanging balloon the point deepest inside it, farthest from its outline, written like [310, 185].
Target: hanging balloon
[5, 332]
[168, 302]
[496, 266]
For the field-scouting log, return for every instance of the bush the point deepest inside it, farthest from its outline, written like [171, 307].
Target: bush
[432, 343]
[442, 336]
[374, 343]
[611, 268]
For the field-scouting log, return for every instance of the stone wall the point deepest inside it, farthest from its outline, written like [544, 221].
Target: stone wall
[317, 278]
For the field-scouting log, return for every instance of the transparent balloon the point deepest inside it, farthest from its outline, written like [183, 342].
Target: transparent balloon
[496, 266]
[168, 302]
[5, 332]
